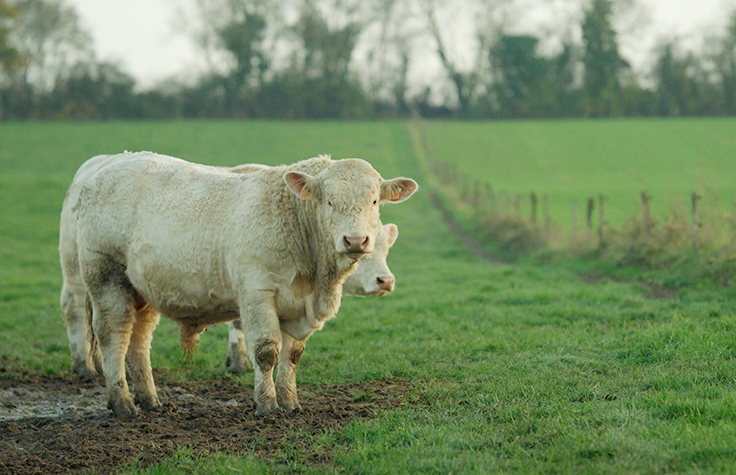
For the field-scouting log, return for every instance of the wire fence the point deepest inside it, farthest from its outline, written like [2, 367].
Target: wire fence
[530, 213]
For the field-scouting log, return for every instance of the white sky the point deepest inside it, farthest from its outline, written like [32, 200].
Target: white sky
[141, 36]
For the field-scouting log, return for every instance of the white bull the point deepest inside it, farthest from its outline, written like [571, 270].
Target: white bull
[372, 277]
[202, 245]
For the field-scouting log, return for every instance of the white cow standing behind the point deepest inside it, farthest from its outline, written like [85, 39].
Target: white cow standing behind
[202, 245]
[372, 277]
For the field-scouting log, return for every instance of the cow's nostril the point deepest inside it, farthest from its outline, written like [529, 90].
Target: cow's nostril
[357, 244]
[386, 282]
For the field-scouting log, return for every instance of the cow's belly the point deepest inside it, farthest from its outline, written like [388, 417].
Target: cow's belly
[193, 304]
[181, 288]
[196, 297]
[202, 315]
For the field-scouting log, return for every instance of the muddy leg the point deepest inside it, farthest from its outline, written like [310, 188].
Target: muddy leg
[263, 339]
[112, 321]
[73, 307]
[291, 352]
[139, 359]
[237, 353]
[113, 332]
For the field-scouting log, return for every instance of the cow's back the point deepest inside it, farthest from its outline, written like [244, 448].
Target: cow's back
[169, 224]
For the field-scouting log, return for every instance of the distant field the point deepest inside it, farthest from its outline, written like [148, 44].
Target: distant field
[512, 368]
[577, 159]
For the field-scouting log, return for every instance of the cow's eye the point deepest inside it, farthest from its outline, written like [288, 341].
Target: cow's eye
[375, 201]
[329, 203]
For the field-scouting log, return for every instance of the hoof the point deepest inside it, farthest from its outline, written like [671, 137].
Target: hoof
[270, 407]
[237, 365]
[289, 404]
[238, 369]
[123, 408]
[292, 406]
[150, 403]
[85, 373]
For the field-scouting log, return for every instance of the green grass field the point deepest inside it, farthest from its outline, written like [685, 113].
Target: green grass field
[577, 159]
[522, 368]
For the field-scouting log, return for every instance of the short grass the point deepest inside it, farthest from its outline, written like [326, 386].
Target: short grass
[575, 160]
[516, 368]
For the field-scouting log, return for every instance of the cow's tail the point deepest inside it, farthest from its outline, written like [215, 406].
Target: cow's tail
[94, 349]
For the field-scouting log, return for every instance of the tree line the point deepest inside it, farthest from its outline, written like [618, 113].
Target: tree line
[336, 59]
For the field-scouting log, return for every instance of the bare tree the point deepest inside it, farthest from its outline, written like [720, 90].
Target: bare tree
[231, 33]
[50, 38]
[464, 33]
[10, 58]
[388, 46]
[725, 64]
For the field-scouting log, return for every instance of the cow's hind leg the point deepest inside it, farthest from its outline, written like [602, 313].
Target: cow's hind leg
[73, 305]
[237, 352]
[291, 352]
[112, 321]
[263, 339]
[139, 357]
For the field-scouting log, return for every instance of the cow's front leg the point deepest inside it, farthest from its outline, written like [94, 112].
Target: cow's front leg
[263, 339]
[237, 353]
[291, 352]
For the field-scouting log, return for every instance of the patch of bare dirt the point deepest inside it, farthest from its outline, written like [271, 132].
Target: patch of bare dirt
[56, 424]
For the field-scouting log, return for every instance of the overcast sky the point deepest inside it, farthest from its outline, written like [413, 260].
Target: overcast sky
[141, 34]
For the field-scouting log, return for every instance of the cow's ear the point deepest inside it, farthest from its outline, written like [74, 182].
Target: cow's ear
[393, 233]
[301, 184]
[398, 189]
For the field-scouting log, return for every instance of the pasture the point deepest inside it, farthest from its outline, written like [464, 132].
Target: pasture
[470, 366]
[575, 160]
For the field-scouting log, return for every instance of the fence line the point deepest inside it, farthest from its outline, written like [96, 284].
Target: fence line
[482, 196]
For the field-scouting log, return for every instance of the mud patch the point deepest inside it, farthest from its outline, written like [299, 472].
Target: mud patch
[53, 424]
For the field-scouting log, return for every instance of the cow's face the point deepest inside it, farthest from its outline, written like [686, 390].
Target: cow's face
[373, 277]
[347, 195]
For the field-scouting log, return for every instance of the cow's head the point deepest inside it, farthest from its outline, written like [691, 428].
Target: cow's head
[347, 195]
[373, 277]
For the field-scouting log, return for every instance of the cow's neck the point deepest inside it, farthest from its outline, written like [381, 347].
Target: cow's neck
[326, 270]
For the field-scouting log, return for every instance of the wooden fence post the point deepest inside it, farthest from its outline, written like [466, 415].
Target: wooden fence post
[517, 205]
[464, 193]
[589, 218]
[491, 198]
[547, 217]
[601, 220]
[533, 199]
[645, 211]
[696, 223]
